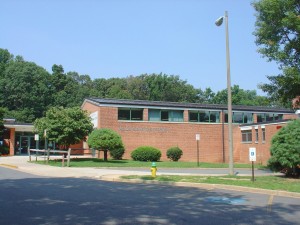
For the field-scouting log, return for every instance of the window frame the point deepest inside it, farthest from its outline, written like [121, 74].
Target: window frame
[130, 112]
[205, 116]
[246, 136]
[166, 115]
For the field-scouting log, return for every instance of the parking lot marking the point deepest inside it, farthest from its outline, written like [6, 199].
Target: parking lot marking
[270, 202]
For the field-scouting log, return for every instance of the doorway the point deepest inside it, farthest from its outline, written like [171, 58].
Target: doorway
[24, 143]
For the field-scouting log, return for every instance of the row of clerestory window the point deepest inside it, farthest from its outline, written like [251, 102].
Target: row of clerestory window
[202, 116]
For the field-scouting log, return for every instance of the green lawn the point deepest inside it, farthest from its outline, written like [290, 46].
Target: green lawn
[264, 182]
[94, 162]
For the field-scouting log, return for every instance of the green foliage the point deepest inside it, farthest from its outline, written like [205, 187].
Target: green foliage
[146, 153]
[241, 97]
[107, 140]
[285, 148]
[174, 153]
[27, 90]
[24, 87]
[4, 150]
[277, 35]
[65, 126]
[117, 153]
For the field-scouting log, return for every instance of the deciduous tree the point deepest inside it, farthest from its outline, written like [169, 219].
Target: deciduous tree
[105, 140]
[65, 126]
[277, 35]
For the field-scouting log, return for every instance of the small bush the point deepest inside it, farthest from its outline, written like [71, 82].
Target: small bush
[174, 153]
[146, 153]
[117, 153]
[4, 150]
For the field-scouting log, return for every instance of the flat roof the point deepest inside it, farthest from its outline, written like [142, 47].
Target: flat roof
[145, 103]
[22, 127]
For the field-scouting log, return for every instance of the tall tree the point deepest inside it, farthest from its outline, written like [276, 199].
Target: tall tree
[241, 97]
[277, 35]
[5, 58]
[24, 89]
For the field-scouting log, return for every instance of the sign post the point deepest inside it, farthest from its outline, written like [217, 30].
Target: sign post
[198, 139]
[36, 138]
[252, 158]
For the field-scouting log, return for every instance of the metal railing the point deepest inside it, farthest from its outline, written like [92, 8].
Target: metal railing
[45, 153]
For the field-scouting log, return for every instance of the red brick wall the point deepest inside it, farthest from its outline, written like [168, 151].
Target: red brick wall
[164, 135]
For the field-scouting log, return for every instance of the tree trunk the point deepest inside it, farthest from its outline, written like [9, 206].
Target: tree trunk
[105, 155]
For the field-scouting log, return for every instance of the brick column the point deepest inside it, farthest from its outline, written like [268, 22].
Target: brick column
[12, 141]
[145, 115]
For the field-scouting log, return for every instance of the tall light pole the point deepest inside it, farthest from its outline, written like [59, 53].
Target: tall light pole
[230, 143]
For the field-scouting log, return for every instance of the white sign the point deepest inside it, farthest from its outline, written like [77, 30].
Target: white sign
[36, 137]
[252, 154]
[94, 117]
[197, 137]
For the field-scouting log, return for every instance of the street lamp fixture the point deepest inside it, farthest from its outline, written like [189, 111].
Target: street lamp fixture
[229, 100]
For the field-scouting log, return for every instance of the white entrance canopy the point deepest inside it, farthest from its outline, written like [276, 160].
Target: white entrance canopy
[20, 127]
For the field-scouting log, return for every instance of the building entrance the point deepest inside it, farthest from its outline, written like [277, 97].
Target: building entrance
[24, 143]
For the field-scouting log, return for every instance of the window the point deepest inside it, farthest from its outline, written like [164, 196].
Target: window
[165, 115]
[269, 117]
[240, 117]
[261, 117]
[263, 135]
[193, 116]
[130, 114]
[204, 116]
[248, 117]
[246, 136]
[256, 135]
[237, 117]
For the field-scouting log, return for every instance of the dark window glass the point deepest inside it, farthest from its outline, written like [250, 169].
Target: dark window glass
[204, 116]
[256, 135]
[263, 134]
[193, 117]
[261, 117]
[214, 117]
[248, 118]
[269, 117]
[164, 116]
[124, 114]
[136, 114]
[237, 117]
[130, 114]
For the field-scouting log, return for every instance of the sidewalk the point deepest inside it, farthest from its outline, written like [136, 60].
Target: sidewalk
[21, 164]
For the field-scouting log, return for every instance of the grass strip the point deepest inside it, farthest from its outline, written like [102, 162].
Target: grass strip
[95, 162]
[265, 182]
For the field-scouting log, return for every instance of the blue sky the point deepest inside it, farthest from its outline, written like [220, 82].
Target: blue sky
[118, 38]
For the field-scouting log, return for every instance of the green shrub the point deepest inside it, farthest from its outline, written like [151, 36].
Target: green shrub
[117, 153]
[4, 150]
[174, 153]
[146, 153]
[285, 151]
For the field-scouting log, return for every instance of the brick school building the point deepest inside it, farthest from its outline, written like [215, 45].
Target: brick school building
[167, 124]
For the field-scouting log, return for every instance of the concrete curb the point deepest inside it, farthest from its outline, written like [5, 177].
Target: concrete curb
[117, 178]
[9, 166]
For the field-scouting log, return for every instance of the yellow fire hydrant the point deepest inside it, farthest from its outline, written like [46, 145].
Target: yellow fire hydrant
[153, 170]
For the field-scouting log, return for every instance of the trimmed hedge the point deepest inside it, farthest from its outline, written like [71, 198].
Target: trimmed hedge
[174, 153]
[146, 153]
